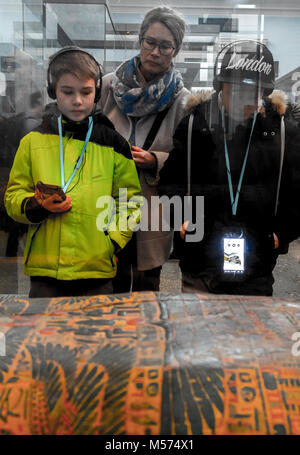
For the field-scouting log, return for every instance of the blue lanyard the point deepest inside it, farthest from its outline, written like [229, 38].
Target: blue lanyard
[78, 164]
[234, 201]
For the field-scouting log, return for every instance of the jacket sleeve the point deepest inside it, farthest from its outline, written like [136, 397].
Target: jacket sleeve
[127, 196]
[287, 221]
[19, 201]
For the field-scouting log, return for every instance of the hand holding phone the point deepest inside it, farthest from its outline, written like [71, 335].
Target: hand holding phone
[47, 190]
[52, 198]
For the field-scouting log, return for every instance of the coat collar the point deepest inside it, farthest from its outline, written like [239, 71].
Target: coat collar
[275, 102]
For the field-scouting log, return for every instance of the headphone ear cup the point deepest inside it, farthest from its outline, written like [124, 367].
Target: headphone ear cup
[50, 88]
[98, 89]
[51, 92]
[98, 93]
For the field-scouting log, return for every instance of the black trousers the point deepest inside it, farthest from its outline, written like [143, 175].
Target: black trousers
[41, 286]
[129, 276]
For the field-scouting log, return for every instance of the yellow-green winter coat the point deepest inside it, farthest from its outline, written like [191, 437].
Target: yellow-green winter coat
[78, 244]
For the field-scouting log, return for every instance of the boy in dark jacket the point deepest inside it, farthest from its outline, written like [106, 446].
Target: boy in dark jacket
[245, 161]
[74, 231]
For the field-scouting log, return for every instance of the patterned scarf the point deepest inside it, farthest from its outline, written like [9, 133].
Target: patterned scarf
[137, 101]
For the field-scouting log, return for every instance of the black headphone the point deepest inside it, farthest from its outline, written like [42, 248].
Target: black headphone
[217, 83]
[51, 88]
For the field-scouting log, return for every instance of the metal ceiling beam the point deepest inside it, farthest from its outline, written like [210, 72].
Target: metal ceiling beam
[199, 7]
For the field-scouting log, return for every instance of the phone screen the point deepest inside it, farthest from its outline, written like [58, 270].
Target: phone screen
[234, 255]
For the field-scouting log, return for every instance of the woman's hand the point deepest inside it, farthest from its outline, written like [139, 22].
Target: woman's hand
[50, 204]
[142, 158]
[183, 229]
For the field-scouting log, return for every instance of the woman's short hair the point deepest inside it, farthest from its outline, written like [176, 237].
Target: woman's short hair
[168, 17]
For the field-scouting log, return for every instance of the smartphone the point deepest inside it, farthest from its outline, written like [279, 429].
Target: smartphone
[49, 190]
[234, 255]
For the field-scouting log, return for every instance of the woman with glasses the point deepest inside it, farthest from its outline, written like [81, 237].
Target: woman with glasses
[144, 99]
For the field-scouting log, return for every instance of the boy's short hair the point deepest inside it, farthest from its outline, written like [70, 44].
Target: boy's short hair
[78, 63]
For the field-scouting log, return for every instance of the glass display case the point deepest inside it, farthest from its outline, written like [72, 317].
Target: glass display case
[32, 30]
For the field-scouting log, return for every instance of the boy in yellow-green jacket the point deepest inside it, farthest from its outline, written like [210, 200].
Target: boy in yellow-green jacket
[73, 234]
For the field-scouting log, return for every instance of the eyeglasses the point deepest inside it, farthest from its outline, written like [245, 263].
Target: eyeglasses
[164, 47]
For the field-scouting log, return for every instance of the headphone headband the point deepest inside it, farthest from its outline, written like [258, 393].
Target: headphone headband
[51, 88]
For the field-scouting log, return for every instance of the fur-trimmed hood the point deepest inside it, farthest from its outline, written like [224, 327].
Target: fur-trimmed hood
[197, 98]
[276, 101]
